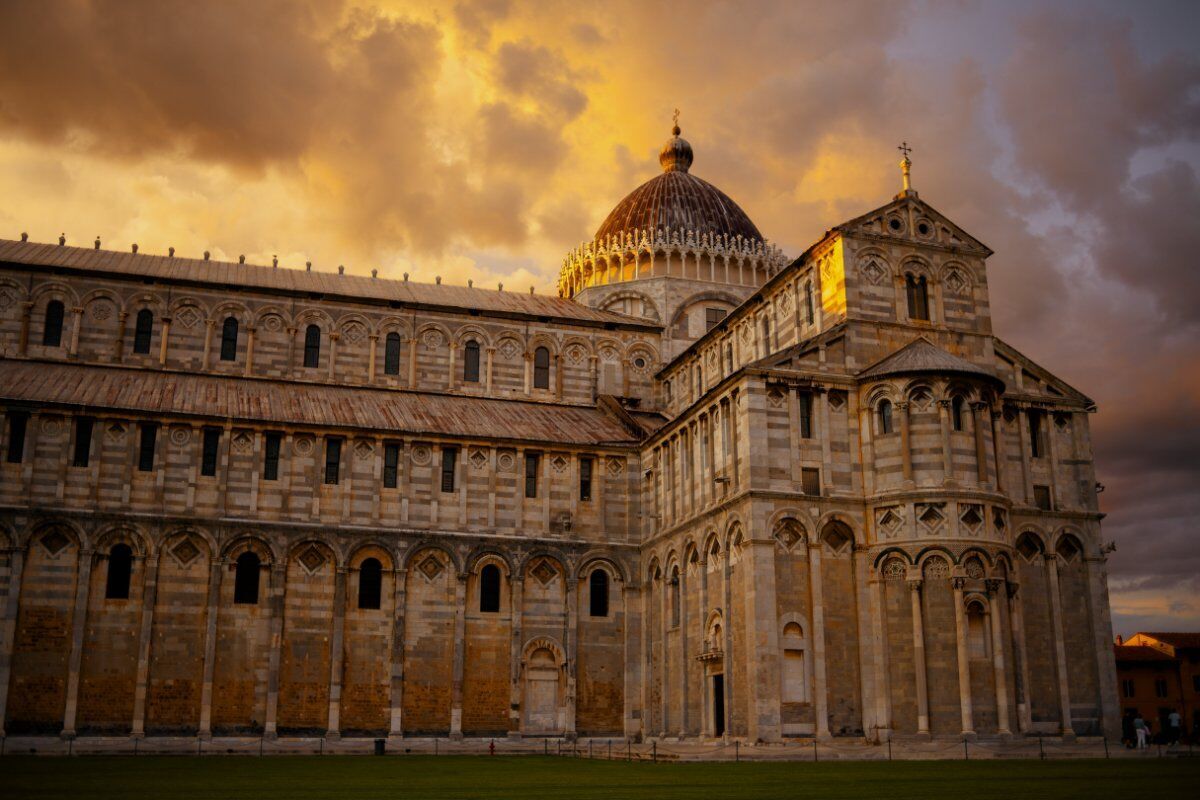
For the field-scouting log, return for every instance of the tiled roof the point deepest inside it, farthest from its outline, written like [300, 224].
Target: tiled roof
[282, 279]
[1176, 639]
[1137, 652]
[260, 400]
[920, 356]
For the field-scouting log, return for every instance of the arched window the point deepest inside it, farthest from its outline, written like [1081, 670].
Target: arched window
[541, 368]
[391, 354]
[918, 297]
[471, 362]
[245, 579]
[885, 416]
[675, 598]
[229, 333]
[489, 589]
[52, 330]
[142, 331]
[312, 346]
[808, 302]
[370, 583]
[598, 593]
[120, 569]
[977, 638]
[699, 380]
[956, 412]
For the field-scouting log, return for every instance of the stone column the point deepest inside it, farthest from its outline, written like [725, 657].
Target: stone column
[1026, 468]
[1020, 662]
[914, 586]
[826, 442]
[119, 350]
[250, 331]
[947, 452]
[412, 362]
[78, 627]
[996, 622]
[489, 354]
[76, 329]
[516, 592]
[453, 346]
[977, 422]
[571, 638]
[883, 693]
[333, 340]
[336, 655]
[374, 346]
[23, 339]
[633, 662]
[206, 359]
[683, 647]
[149, 594]
[1060, 647]
[8, 626]
[905, 449]
[456, 686]
[216, 570]
[291, 356]
[867, 450]
[278, 590]
[396, 728]
[964, 663]
[164, 339]
[817, 604]
[998, 448]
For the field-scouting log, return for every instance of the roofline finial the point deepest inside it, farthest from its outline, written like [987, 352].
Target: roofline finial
[675, 129]
[906, 169]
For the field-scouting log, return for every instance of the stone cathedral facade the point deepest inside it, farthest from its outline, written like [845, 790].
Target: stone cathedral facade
[706, 492]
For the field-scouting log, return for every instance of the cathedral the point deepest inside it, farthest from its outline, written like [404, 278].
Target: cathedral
[708, 492]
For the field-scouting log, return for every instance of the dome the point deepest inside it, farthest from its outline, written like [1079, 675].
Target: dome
[679, 201]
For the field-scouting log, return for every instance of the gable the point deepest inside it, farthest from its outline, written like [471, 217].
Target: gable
[912, 221]
[1034, 379]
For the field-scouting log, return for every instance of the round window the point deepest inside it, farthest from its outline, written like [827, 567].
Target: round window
[923, 228]
[639, 362]
[894, 224]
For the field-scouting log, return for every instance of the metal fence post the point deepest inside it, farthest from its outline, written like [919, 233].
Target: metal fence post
[737, 751]
[815, 756]
[654, 747]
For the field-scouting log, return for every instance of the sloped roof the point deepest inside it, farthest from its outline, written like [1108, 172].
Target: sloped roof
[284, 280]
[284, 402]
[1175, 639]
[1139, 652]
[922, 356]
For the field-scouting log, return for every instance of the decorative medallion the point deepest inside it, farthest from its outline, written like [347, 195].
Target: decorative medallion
[421, 455]
[364, 449]
[616, 466]
[312, 559]
[303, 446]
[272, 323]
[430, 567]
[775, 398]
[188, 317]
[785, 302]
[115, 432]
[478, 458]
[921, 400]
[971, 515]
[432, 339]
[180, 435]
[509, 349]
[872, 272]
[836, 537]
[354, 332]
[974, 569]
[827, 271]
[242, 443]
[101, 311]
[931, 518]
[185, 552]
[955, 282]
[837, 400]
[7, 298]
[894, 570]
[558, 463]
[936, 568]
[55, 541]
[609, 353]
[789, 536]
[575, 354]
[544, 572]
[888, 520]
[998, 518]
[506, 461]
[52, 426]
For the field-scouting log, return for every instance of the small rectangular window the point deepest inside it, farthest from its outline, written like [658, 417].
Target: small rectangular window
[333, 460]
[810, 481]
[1036, 445]
[1127, 688]
[1160, 687]
[713, 317]
[146, 447]
[17, 422]
[271, 461]
[806, 405]
[1041, 497]
[449, 459]
[391, 465]
[208, 453]
[531, 474]
[83, 441]
[585, 479]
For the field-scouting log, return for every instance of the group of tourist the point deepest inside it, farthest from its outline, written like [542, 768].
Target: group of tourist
[1138, 732]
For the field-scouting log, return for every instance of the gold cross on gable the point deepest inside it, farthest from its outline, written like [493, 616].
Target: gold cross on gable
[904, 148]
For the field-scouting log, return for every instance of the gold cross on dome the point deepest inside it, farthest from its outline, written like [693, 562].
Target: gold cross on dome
[903, 148]
[676, 118]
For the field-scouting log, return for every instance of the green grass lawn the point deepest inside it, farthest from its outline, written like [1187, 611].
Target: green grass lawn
[366, 777]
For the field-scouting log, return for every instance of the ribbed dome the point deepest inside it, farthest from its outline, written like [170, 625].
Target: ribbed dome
[679, 201]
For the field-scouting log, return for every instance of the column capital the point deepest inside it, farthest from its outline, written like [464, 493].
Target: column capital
[993, 585]
[914, 584]
[958, 583]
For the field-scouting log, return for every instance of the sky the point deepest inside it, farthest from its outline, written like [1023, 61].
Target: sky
[482, 140]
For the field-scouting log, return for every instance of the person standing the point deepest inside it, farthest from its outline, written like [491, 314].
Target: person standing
[1174, 723]
[1139, 728]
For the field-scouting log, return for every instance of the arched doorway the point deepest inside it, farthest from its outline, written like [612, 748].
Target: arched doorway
[543, 688]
